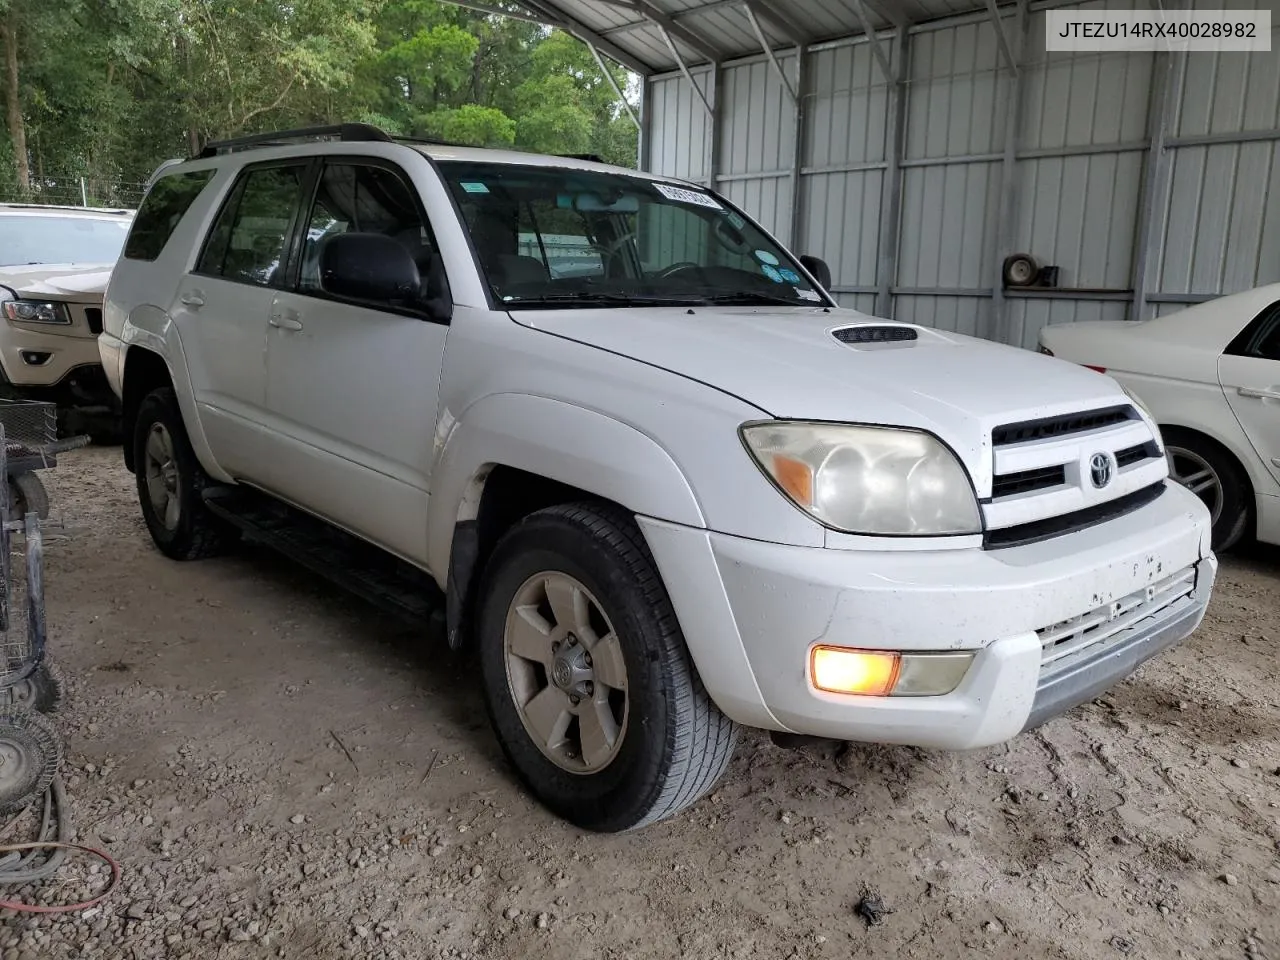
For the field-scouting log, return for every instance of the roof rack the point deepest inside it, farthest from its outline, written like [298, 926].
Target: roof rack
[588, 157]
[347, 132]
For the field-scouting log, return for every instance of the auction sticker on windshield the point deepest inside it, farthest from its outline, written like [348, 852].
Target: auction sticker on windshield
[688, 196]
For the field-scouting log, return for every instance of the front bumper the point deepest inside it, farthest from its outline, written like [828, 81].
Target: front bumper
[43, 355]
[751, 611]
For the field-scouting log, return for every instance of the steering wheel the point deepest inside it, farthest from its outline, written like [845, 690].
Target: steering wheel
[677, 267]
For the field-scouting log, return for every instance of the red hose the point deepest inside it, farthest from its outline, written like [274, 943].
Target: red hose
[70, 907]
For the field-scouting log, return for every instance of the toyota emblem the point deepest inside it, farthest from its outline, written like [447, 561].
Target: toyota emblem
[1100, 470]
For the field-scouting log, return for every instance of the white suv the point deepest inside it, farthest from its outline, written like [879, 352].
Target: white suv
[54, 265]
[647, 466]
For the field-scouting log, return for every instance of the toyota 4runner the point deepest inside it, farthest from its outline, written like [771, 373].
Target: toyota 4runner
[638, 456]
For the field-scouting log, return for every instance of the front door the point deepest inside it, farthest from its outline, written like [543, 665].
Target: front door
[1250, 375]
[352, 388]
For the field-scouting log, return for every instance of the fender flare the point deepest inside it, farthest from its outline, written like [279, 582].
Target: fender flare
[550, 438]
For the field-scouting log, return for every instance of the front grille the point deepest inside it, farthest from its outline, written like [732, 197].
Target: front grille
[93, 317]
[875, 334]
[1027, 481]
[1037, 530]
[1131, 455]
[1053, 427]
[1066, 643]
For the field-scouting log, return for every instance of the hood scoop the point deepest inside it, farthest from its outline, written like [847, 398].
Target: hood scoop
[867, 334]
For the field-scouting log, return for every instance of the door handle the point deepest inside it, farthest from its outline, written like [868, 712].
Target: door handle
[1259, 394]
[286, 320]
[192, 299]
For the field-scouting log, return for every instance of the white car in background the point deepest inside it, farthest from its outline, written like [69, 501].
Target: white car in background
[54, 266]
[1210, 377]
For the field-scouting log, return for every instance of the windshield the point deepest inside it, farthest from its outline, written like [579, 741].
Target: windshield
[557, 238]
[46, 239]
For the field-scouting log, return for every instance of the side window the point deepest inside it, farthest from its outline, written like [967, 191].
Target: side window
[248, 240]
[162, 209]
[363, 198]
[1261, 338]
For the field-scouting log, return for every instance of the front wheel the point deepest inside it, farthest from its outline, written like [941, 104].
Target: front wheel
[587, 679]
[171, 483]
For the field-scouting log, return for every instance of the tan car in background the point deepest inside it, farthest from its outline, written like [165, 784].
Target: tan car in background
[54, 267]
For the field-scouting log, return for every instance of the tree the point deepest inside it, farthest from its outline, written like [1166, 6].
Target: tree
[472, 125]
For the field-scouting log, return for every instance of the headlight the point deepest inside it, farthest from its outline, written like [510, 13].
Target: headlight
[872, 480]
[36, 311]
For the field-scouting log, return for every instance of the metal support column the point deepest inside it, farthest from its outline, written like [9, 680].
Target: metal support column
[1166, 85]
[715, 137]
[1000, 327]
[613, 85]
[799, 137]
[645, 146]
[891, 182]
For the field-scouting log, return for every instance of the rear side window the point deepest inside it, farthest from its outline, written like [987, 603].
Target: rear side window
[161, 211]
[248, 241]
[1261, 338]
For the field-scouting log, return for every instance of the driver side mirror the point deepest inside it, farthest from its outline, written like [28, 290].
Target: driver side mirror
[369, 267]
[819, 270]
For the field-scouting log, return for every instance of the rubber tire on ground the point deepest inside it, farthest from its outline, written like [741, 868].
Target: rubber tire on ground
[43, 691]
[677, 743]
[199, 533]
[36, 736]
[1237, 496]
[27, 495]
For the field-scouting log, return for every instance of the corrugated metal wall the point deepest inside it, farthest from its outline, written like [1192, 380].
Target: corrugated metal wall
[1073, 195]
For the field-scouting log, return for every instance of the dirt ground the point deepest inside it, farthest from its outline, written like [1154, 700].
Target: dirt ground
[284, 772]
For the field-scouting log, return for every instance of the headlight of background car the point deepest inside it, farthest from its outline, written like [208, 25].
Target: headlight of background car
[36, 311]
[869, 480]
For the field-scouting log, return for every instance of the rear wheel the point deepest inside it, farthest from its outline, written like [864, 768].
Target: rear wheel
[27, 494]
[171, 481]
[1206, 469]
[587, 678]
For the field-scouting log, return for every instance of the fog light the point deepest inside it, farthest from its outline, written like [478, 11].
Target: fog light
[874, 673]
[865, 672]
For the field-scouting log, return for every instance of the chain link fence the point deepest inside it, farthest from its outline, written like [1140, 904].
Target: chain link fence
[75, 191]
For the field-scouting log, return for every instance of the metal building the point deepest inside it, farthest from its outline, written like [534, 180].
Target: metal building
[914, 144]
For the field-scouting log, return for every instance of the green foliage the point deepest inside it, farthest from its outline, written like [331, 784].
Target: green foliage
[472, 125]
[109, 88]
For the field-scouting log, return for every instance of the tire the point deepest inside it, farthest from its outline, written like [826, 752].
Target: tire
[1193, 456]
[672, 743]
[31, 752]
[43, 691]
[27, 495]
[183, 528]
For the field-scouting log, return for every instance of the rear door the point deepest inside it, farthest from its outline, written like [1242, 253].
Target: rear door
[1250, 375]
[352, 387]
[221, 309]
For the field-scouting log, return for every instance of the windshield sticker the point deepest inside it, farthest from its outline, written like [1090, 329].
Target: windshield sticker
[688, 196]
[764, 256]
[810, 295]
[773, 273]
[790, 276]
[475, 188]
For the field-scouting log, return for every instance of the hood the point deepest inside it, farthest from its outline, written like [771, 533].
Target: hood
[65, 281]
[788, 364]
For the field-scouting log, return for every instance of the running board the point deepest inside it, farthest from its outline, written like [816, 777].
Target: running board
[345, 560]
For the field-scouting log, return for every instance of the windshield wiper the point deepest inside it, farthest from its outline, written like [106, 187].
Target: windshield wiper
[597, 297]
[746, 298]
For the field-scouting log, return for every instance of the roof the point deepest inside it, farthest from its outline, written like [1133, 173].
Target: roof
[447, 152]
[58, 210]
[642, 33]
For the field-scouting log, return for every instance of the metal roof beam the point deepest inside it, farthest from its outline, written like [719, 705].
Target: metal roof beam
[684, 68]
[546, 12]
[768, 10]
[690, 38]
[768, 51]
[617, 90]
[877, 47]
[1006, 48]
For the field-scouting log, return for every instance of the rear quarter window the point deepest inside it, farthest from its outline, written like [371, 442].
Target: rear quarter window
[162, 210]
